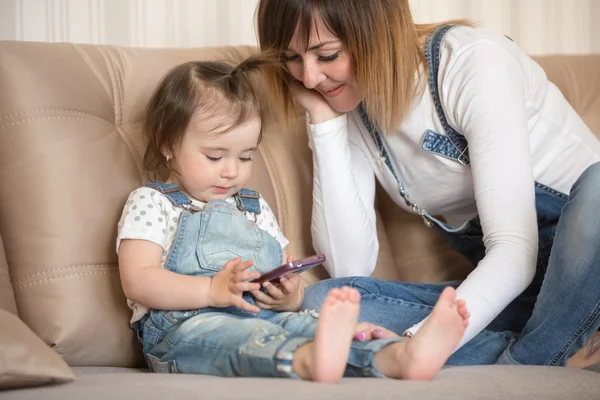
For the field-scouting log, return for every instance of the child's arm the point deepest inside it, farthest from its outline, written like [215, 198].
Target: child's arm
[146, 283]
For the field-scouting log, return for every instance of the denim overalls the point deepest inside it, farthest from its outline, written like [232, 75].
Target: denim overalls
[230, 341]
[566, 286]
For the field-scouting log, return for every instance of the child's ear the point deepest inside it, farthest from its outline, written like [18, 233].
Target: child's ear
[166, 153]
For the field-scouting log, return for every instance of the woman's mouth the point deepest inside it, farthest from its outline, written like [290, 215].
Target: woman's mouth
[334, 91]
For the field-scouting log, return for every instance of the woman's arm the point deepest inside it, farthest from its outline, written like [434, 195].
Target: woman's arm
[343, 214]
[484, 94]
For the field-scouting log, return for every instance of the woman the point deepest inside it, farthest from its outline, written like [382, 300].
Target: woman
[453, 121]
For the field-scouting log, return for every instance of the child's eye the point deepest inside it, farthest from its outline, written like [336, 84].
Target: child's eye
[330, 57]
[245, 159]
[214, 159]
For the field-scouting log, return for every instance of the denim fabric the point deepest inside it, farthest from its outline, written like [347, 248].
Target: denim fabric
[230, 341]
[564, 290]
[207, 239]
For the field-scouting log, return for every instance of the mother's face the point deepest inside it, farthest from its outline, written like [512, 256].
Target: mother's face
[324, 66]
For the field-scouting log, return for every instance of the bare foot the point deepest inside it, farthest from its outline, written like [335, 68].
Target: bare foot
[324, 360]
[588, 355]
[421, 357]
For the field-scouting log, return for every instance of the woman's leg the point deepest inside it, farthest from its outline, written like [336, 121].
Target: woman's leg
[567, 311]
[399, 305]
[395, 305]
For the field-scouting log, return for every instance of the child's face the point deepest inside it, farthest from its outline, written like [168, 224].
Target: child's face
[212, 165]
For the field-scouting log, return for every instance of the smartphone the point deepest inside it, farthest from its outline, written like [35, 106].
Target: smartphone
[291, 268]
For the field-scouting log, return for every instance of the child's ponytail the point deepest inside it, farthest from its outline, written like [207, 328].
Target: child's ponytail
[207, 88]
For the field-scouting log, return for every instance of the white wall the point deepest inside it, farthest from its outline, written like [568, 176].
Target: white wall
[539, 26]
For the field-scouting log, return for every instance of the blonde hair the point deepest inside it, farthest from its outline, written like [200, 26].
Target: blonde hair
[384, 43]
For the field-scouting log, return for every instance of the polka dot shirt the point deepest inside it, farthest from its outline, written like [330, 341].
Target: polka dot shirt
[149, 215]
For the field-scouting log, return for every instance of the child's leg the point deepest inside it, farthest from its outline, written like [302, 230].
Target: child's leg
[325, 359]
[421, 357]
[217, 343]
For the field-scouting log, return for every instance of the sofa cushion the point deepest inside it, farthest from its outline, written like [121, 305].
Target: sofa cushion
[7, 297]
[70, 153]
[578, 78]
[457, 383]
[26, 360]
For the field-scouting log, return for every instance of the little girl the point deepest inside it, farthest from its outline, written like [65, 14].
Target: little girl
[189, 247]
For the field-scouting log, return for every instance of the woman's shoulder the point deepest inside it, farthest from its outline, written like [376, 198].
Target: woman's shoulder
[463, 36]
[466, 48]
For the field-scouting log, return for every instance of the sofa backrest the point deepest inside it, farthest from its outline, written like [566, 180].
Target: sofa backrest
[71, 151]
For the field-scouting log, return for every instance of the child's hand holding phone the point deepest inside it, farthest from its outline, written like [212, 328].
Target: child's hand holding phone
[285, 295]
[229, 284]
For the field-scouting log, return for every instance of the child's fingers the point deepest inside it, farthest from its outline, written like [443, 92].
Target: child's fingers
[241, 287]
[244, 305]
[229, 265]
[243, 265]
[287, 285]
[264, 306]
[263, 298]
[290, 258]
[273, 291]
[245, 276]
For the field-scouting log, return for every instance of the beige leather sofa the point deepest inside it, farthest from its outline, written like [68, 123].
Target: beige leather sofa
[70, 152]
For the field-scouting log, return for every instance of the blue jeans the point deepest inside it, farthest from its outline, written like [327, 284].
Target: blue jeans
[230, 341]
[548, 323]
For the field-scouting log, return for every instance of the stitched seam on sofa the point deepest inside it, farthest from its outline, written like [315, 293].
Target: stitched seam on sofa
[279, 192]
[64, 268]
[4, 276]
[116, 93]
[45, 118]
[118, 100]
[39, 110]
[136, 154]
[41, 281]
[90, 65]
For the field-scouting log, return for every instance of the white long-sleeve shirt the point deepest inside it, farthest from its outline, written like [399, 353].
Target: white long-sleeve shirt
[519, 129]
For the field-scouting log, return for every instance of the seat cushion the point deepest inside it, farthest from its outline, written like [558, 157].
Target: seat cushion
[25, 360]
[460, 383]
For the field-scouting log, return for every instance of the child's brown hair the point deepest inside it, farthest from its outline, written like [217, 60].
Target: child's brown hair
[207, 87]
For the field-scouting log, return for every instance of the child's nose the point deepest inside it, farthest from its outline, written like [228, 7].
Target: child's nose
[230, 169]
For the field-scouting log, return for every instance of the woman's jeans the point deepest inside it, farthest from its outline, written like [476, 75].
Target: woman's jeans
[548, 323]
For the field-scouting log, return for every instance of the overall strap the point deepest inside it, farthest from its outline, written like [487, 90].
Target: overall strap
[248, 200]
[459, 149]
[171, 191]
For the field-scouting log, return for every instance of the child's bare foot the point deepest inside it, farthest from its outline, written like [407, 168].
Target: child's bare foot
[421, 357]
[324, 360]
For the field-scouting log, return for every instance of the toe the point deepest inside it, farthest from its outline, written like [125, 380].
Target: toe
[448, 295]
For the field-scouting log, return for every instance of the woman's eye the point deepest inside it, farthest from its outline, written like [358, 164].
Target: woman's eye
[285, 58]
[330, 57]
[213, 158]
[245, 159]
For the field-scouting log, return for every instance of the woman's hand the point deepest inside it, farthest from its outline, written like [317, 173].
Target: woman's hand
[287, 295]
[313, 102]
[228, 285]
